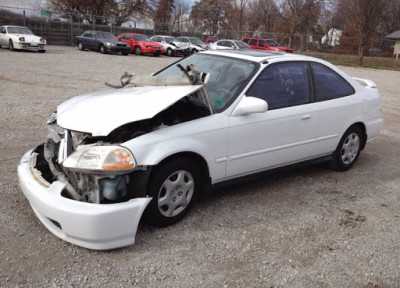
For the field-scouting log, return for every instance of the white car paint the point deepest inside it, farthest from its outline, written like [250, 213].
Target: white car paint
[243, 138]
[21, 40]
[184, 41]
[177, 47]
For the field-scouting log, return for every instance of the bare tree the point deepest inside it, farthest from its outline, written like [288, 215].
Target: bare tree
[210, 13]
[236, 15]
[390, 20]
[104, 10]
[180, 14]
[299, 15]
[263, 15]
[365, 16]
[162, 14]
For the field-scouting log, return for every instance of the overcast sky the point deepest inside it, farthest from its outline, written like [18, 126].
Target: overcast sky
[26, 4]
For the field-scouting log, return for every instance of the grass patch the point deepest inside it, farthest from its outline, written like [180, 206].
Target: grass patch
[384, 63]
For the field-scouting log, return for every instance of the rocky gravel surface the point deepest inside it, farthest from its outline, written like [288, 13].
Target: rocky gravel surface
[301, 227]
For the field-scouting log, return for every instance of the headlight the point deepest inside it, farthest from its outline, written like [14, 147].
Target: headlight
[22, 39]
[42, 40]
[101, 159]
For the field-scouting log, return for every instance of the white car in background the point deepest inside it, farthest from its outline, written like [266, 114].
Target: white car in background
[195, 44]
[21, 38]
[229, 44]
[171, 48]
[209, 118]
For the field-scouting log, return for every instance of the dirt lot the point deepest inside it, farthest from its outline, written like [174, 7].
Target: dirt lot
[307, 227]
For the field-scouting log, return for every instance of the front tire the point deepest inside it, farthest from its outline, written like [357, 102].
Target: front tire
[103, 50]
[169, 52]
[348, 150]
[174, 188]
[11, 45]
[80, 46]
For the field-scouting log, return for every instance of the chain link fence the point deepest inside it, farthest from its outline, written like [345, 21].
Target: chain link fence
[62, 31]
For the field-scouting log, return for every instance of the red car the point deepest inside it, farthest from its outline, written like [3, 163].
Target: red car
[266, 44]
[141, 44]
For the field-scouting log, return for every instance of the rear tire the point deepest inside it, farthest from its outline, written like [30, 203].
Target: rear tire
[174, 187]
[348, 150]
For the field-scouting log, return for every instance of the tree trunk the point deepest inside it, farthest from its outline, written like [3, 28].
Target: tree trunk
[361, 55]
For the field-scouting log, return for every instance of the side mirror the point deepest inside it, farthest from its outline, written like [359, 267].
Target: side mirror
[249, 105]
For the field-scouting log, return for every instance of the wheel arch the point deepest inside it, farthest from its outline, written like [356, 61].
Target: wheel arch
[363, 129]
[198, 160]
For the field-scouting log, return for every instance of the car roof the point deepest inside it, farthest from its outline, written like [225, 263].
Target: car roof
[260, 55]
[14, 26]
[258, 38]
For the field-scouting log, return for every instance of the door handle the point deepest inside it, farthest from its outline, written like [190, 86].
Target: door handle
[306, 117]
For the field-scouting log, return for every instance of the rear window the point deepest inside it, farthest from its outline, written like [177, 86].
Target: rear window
[328, 84]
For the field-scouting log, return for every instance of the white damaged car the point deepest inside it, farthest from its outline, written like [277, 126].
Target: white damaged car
[150, 147]
[21, 38]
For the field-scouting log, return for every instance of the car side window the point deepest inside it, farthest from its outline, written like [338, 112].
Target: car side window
[87, 34]
[282, 85]
[328, 84]
[245, 40]
[261, 43]
[3, 30]
[253, 42]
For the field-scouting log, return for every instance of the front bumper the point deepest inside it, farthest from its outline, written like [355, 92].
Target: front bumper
[152, 50]
[119, 49]
[29, 46]
[93, 226]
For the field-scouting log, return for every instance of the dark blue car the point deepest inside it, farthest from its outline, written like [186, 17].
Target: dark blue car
[105, 42]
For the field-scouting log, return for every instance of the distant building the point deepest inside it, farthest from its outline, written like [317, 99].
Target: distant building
[395, 36]
[332, 38]
[146, 24]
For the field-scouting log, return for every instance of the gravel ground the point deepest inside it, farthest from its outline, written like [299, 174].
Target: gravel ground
[306, 227]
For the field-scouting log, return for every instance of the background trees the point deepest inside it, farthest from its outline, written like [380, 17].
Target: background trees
[99, 11]
[300, 24]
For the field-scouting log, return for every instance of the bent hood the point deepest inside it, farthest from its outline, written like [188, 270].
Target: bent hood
[101, 112]
[28, 37]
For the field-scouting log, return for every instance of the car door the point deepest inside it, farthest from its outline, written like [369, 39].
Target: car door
[338, 106]
[87, 40]
[261, 45]
[253, 44]
[282, 135]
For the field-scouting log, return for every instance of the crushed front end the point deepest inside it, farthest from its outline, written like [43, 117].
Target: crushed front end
[86, 187]
[85, 190]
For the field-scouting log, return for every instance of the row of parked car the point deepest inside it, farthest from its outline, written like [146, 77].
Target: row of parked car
[160, 44]
[126, 43]
[17, 37]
